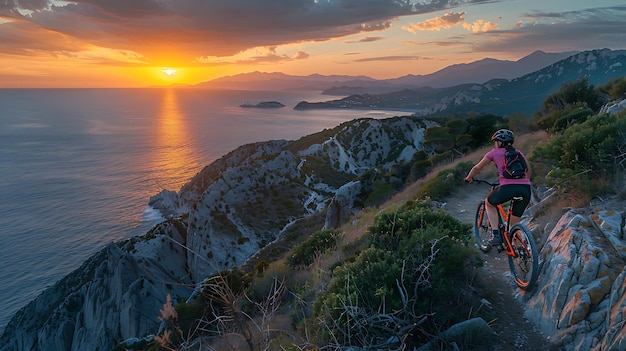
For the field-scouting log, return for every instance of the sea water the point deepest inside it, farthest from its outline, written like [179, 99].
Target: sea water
[78, 166]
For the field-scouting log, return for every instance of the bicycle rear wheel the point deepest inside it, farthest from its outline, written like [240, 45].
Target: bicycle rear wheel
[525, 266]
[482, 229]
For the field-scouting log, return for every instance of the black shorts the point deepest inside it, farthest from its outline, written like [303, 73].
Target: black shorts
[505, 193]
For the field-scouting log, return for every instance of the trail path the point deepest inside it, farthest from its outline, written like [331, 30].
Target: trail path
[495, 285]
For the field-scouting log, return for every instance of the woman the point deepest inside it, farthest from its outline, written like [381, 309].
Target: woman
[508, 188]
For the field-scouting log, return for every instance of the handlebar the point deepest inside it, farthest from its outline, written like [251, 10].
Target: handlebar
[476, 180]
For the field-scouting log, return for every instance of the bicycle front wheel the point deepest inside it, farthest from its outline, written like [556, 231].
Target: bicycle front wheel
[482, 229]
[525, 264]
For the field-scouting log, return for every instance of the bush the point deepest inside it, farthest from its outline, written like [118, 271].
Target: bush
[615, 88]
[445, 182]
[557, 121]
[305, 253]
[573, 93]
[415, 265]
[585, 155]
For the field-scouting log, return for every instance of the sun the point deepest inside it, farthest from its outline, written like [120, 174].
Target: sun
[169, 71]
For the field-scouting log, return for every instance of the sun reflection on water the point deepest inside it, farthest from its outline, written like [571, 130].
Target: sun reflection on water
[174, 155]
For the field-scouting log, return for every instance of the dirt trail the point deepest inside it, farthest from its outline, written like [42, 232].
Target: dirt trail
[494, 284]
[494, 281]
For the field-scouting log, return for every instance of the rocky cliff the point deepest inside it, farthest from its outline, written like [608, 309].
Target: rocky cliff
[244, 201]
[580, 299]
[114, 295]
[224, 215]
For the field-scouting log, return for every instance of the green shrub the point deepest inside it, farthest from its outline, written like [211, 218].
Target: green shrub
[415, 265]
[381, 192]
[304, 254]
[556, 121]
[616, 88]
[573, 93]
[445, 182]
[585, 155]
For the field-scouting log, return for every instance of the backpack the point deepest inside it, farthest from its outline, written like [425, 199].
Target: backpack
[514, 164]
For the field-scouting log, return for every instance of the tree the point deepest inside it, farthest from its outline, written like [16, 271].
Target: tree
[572, 93]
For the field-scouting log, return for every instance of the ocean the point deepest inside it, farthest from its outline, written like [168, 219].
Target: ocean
[78, 166]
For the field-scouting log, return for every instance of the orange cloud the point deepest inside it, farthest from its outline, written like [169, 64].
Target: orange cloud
[481, 26]
[254, 56]
[450, 20]
[438, 23]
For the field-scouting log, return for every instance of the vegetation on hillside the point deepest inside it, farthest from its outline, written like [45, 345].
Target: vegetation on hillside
[409, 275]
[586, 155]
[414, 267]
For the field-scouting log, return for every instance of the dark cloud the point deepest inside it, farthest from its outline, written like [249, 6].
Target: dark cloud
[199, 28]
[393, 58]
[32, 5]
[563, 31]
[366, 40]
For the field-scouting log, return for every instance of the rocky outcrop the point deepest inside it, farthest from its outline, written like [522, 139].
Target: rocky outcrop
[218, 220]
[115, 295]
[613, 107]
[341, 205]
[581, 295]
[243, 201]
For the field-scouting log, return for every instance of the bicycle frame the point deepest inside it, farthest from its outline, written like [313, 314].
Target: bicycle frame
[517, 240]
[508, 247]
[504, 216]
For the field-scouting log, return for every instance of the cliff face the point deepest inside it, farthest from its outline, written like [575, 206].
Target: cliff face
[581, 295]
[232, 208]
[115, 295]
[242, 202]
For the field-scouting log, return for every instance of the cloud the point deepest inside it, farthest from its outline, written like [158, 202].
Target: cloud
[559, 31]
[256, 56]
[365, 40]
[481, 26]
[160, 29]
[450, 20]
[393, 58]
[438, 23]
[568, 30]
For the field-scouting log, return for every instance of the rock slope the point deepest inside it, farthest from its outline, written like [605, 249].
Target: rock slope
[114, 295]
[223, 216]
[581, 295]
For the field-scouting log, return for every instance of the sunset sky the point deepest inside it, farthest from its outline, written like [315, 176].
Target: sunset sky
[138, 43]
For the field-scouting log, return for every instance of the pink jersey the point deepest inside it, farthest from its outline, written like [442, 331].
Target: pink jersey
[497, 156]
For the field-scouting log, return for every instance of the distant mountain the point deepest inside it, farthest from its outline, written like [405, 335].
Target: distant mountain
[281, 81]
[523, 94]
[475, 72]
[482, 71]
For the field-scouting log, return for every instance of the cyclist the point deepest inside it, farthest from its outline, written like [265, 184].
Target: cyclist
[508, 188]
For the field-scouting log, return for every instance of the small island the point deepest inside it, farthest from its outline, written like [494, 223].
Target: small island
[264, 104]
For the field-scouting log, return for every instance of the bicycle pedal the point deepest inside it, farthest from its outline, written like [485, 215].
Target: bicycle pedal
[499, 248]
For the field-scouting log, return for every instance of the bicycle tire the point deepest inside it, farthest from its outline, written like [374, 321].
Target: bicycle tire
[525, 266]
[482, 229]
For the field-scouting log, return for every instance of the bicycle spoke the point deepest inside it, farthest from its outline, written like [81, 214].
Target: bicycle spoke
[482, 229]
[525, 266]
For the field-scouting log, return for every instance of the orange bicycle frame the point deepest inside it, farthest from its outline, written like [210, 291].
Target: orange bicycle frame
[508, 248]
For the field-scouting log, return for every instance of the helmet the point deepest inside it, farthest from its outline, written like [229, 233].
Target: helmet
[503, 135]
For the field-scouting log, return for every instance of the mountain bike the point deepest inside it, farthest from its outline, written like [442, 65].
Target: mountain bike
[517, 242]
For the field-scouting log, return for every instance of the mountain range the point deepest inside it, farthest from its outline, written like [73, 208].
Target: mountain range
[485, 86]
[524, 94]
[475, 72]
